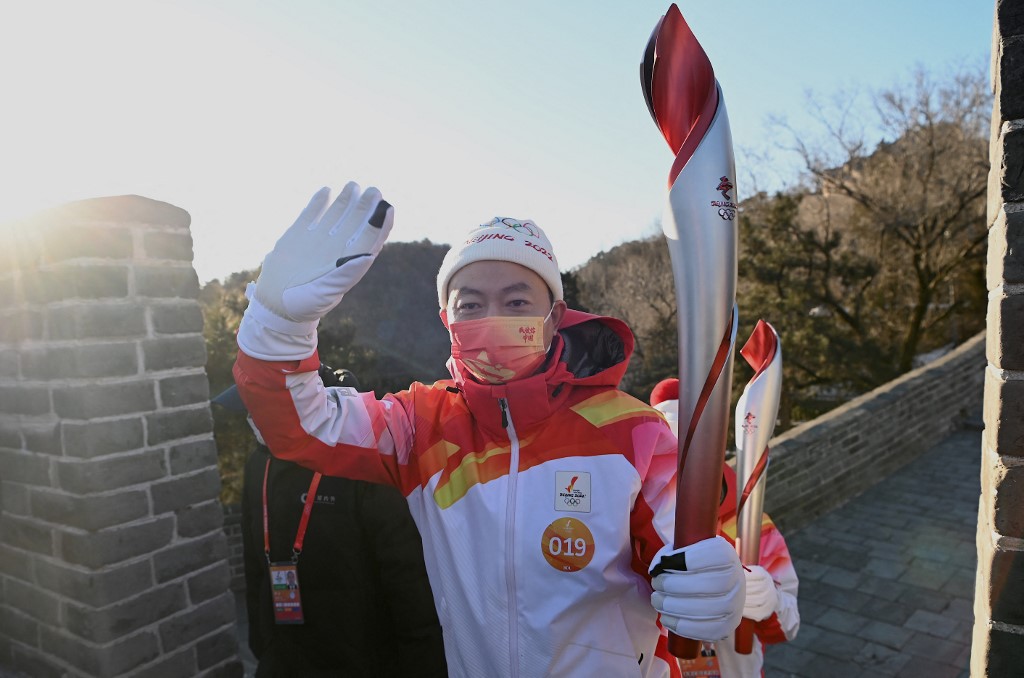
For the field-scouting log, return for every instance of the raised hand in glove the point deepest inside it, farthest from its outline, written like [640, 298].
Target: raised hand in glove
[762, 599]
[699, 589]
[320, 258]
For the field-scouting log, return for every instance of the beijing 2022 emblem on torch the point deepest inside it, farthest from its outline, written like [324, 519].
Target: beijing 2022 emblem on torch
[685, 100]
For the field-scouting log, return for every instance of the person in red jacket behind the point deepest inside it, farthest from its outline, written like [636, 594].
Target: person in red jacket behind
[771, 586]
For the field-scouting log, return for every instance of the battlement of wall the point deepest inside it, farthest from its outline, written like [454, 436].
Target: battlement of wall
[113, 556]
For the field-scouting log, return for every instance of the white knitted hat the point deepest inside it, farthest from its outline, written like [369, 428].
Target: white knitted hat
[503, 239]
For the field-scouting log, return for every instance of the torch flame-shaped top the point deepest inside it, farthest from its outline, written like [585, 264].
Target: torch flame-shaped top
[759, 351]
[679, 87]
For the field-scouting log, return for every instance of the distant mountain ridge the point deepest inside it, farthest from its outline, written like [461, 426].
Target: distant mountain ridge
[394, 312]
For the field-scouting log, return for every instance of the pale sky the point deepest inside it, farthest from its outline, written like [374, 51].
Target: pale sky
[458, 110]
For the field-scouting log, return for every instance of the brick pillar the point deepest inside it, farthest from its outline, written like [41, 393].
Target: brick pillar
[998, 644]
[113, 560]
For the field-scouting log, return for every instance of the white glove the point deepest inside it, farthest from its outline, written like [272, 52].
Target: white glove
[698, 589]
[762, 600]
[320, 258]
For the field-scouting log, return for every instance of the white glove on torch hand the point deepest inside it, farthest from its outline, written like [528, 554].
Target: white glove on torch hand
[699, 589]
[320, 258]
[762, 599]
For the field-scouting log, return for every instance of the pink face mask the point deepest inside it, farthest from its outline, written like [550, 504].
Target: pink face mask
[499, 349]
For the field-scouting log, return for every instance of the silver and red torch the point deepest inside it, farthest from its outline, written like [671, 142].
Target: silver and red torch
[700, 226]
[756, 413]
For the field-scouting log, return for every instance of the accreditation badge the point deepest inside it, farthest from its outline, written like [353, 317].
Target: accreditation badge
[284, 588]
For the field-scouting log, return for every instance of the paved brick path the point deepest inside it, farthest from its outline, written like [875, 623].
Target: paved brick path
[887, 580]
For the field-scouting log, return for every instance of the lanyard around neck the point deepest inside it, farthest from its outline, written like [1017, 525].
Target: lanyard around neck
[303, 522]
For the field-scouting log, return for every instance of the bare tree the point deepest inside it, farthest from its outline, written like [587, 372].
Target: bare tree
[633, 281]
[914, 202]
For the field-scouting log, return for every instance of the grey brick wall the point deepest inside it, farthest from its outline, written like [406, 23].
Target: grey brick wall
[113, 559]
[823, 463]
[233, 532]
[998, 644]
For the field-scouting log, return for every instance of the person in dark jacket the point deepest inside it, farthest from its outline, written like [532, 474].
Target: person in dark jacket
[365, 603]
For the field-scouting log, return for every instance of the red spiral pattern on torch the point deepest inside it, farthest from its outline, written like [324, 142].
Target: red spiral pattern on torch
[755, 477]
[679, 86]
[721, 356]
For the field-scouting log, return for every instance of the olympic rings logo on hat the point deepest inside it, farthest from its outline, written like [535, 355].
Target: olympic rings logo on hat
[526, 227]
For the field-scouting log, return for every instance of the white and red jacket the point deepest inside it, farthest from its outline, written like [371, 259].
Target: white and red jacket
[541, 502]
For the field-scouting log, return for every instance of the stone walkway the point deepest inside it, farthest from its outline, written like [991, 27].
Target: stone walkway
[887, 580]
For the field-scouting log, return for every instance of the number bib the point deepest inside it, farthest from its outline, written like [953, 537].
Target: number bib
[567, 545]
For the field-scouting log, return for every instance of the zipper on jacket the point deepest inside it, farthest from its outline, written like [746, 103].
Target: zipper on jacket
[510, 525]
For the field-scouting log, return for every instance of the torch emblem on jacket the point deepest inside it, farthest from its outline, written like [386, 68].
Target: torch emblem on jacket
[572, 491]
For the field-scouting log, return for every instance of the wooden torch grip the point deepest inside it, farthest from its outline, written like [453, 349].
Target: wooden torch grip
[683, 648]
[745, 636]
